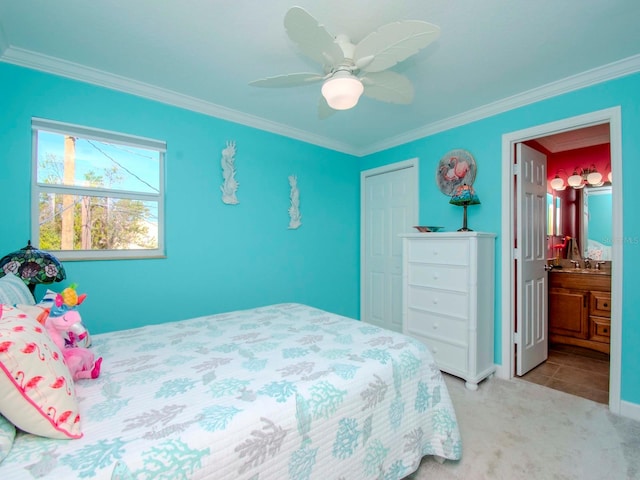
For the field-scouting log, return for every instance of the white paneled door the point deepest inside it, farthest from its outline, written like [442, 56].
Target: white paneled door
[531, 185]
[389, 207]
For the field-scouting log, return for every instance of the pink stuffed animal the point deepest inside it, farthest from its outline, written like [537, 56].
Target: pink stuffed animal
[60, 322]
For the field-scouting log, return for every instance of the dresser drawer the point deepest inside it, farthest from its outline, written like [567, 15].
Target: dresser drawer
[454, 304]
[600, 304]
[427, 324]
[449, 357]
[600, 329]
[439, 276]
[450, 252]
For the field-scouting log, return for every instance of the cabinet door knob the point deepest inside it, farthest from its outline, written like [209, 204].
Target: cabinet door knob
[435, 301]
[435, 326]
[436, 276]
[606, 304]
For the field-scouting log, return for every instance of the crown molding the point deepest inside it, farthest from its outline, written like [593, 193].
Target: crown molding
[588, 78]
[75, 71]
[56, 66]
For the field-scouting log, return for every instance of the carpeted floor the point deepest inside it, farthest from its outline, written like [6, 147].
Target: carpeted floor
[519, 430]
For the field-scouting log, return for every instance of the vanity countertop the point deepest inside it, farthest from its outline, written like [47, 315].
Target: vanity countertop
[582, 271]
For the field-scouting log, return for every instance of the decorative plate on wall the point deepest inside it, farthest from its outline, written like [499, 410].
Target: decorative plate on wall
[455, 168]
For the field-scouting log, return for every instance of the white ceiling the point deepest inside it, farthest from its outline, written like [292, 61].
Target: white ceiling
[492, 55]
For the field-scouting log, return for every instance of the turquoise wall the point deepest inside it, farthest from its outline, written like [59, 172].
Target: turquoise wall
[219, 257]
[222, 258]
[484, 140]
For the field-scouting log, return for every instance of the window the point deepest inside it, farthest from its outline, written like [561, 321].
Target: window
[96, 194]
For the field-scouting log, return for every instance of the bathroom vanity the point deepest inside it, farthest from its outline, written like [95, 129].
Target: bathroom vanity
[580, 307]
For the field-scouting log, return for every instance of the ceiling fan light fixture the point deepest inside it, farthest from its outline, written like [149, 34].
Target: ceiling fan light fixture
[342, 91]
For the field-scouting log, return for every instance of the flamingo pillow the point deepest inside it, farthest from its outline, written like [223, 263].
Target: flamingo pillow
[37, 393]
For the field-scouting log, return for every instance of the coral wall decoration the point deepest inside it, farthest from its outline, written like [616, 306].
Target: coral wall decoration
[294, 210]
[230, 184]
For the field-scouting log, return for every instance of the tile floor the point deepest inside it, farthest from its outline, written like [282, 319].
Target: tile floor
[574, 370]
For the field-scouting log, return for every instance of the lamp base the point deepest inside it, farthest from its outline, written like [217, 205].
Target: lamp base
[464, 221]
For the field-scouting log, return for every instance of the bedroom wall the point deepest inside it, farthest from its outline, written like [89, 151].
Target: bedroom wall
[484, 140]
[219, 257]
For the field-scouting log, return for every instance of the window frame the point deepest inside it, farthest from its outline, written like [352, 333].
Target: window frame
[52, 126]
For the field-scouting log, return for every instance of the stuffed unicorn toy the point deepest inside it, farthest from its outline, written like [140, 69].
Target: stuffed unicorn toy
[60, 324]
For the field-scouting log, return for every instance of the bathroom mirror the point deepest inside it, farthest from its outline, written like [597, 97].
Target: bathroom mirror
[596, 223]
[554, 210]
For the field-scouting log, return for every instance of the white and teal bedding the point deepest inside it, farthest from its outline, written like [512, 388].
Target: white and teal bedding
[279, 392]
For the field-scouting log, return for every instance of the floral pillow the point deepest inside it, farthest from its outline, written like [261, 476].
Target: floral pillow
[7, 434]
[37, 393]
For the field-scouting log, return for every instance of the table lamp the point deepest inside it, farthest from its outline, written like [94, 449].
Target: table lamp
[33, 266]
[463, 197]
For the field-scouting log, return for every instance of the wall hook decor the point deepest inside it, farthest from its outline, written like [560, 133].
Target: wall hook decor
[230, 184]
[294, 210]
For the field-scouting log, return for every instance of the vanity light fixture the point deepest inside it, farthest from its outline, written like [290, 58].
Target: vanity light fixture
[580, 178]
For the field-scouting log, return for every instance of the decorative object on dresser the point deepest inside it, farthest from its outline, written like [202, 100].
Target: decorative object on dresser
[427, 228]
[464, 196]
[33, 266]
[448, 296]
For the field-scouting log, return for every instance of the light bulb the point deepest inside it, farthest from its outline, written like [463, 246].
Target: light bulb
[575, 180]
[342, 91]
[594, 178]
[557, 183]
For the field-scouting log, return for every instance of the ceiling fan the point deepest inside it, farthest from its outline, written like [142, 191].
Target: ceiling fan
[352, 70]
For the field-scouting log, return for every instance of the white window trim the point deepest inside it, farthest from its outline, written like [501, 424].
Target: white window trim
[111, 137]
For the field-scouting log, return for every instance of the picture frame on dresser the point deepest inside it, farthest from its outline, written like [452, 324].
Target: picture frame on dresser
[448, 299]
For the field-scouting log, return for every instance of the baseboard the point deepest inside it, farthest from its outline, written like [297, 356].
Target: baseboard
[630, 410]
[502, 372]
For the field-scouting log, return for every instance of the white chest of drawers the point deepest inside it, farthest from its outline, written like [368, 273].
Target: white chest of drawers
[448, 299]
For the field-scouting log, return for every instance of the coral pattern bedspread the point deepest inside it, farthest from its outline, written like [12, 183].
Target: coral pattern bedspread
[280, 392]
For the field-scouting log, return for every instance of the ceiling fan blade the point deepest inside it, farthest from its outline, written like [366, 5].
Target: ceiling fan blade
[388, 87]
[312, 38]
[393, 43]
[289, 80]
[324, 110]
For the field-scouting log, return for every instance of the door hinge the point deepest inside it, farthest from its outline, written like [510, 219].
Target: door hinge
[516, 338]
[515, 169]
[516, 254]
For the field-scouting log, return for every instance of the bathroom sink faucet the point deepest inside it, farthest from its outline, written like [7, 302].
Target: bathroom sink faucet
[575, 263]
[587, 262]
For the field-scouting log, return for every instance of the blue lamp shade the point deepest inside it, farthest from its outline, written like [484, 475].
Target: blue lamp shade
[33, 266]
[463, 197]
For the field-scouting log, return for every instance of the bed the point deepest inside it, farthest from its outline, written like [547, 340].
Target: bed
[280, 392]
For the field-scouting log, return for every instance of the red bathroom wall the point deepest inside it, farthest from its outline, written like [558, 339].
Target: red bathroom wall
[564, 163]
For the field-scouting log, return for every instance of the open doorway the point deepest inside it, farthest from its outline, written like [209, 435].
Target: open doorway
[611, 117]
[578, 234]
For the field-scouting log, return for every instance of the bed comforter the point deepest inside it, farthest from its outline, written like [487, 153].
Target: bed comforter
[280, 392]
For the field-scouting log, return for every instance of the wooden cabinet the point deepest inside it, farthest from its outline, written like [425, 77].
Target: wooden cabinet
[580, 309]
[448, 299]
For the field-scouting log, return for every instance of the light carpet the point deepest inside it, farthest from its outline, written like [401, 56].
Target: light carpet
[513, 429]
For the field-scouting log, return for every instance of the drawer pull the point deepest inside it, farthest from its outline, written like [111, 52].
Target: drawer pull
[435, 301]
[435, 326]
[606, 304]
[605, 330]
[436, 277]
